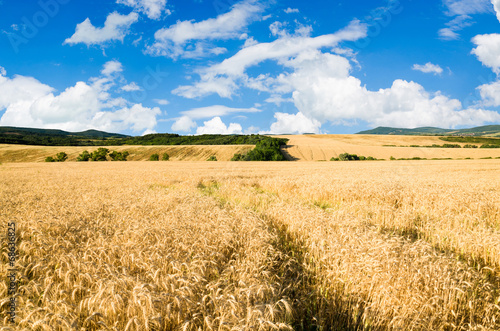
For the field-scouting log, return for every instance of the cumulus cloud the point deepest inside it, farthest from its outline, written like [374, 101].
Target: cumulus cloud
[216, 110]
[86, 105]
[216, 126]
[291, 10]
[488, 50]
[3, 72]
[323, 91]
[496, 6]
[131, 87]
[152, 8]
[428, 68]
[115, 27]
[294, 124]
[221, 78]
[490, 93]
[184, 124]
[111, 67]
[187, 39]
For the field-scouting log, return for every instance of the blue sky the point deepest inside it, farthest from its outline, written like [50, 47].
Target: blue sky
[248, 66]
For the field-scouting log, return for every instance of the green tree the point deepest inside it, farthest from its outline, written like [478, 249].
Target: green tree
[49, 159]
[154, 157]
[85, 156]
[61, 157]
[100, 154]
[212, 158]
[118, 156]
[165, 157]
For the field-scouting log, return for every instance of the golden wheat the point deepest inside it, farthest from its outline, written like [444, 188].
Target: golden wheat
[233, 246]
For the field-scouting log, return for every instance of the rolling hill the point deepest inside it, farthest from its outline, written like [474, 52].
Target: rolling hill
[487, 130]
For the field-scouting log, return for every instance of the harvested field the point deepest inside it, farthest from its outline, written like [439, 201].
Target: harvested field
[408, 245]
[25, 153]
[323, 147]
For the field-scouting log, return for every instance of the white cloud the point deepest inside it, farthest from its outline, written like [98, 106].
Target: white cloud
[188, 38]
[216, 126]
[278, 99]
[217, 110]
[291, 10]
[184, 124]
[27, 102]
[131, 87]
[162, 102]
[3, 72]
[220, 78]
[115, 27]
[461, 10]
[152, 8]
[496, 6]
[488, 50]
[293, 123]
[428, 68]
[448, 34]
[111, 67]
[467, 7]
[324, 93]
[323, 90]
[455, 25]
[137, 117]
[490, 93]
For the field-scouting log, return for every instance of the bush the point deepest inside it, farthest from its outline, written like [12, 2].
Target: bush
[100, 154]
[470, 146]
[348, 157]
[238, 157]
[61, 157]
[85, 156]
[451, 146]
[119, 156]
[212, 158]
[489, 146]
[154, 157]
[352, 157]
[165, 157]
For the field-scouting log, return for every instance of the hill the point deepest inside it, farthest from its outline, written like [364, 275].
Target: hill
[25, 153]
[52, 137]
[324, 147]
[48, 137]
[487, 130]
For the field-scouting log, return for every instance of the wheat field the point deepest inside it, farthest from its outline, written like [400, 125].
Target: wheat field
[323, 147]
[407, 245]
[24, 153]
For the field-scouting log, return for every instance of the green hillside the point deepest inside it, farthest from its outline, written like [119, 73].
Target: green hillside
[488, 130]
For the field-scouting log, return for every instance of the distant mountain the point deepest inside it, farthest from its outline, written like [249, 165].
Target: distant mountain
[89, 134]
[51, 137]
[488, 130]
[47, 137]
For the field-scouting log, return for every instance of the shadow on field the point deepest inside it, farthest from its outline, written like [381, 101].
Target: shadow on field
[288, 156]
[313, 310]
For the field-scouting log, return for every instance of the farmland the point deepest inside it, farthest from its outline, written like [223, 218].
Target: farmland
[298, 148]
[323, 147]
[246, 245]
